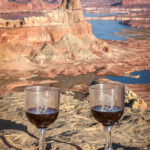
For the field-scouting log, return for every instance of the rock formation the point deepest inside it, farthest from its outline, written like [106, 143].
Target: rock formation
[71, 4]
[51, 25]
[40, 29]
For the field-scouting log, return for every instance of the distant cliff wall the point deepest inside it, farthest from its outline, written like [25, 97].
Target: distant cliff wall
[100, 3]
[135, 2]
[10, 6]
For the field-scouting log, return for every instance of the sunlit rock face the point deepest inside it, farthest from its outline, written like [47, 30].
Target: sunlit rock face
[30, 27]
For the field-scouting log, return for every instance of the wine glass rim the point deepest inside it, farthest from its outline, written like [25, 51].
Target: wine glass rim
[113, 86]
[41, 88]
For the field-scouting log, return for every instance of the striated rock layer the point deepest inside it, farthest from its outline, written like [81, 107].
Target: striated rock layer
[100, 3]
[47, 28]
[136, 2]
[12, 6]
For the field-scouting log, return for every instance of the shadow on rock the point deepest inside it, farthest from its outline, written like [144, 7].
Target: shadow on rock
[6, 143]
[71, 144]
[121, 147]
[8, 124]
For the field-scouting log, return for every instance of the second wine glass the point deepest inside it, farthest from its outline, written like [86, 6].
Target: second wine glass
[107, 106]
[42, 108]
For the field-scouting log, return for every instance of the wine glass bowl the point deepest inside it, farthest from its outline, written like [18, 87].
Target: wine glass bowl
[42, 108]
[107, 105]
[42, 119]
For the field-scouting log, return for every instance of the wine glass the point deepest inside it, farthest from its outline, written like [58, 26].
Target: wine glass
[107, 106]
[42, 108]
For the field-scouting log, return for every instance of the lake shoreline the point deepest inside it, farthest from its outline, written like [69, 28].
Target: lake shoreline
[125, 57]
[137, 17]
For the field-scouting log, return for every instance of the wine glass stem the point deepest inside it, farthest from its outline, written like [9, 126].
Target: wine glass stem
[42, 139]
[108, 138]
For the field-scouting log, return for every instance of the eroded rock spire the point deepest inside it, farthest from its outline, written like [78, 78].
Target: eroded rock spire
[71, 4]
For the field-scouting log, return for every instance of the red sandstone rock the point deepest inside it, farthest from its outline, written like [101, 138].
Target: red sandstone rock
[47, 28]
[142, 90]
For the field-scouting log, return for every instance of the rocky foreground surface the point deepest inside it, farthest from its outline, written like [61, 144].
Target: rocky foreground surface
[74, 129]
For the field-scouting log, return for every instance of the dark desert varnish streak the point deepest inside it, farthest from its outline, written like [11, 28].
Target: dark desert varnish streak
[42, 120]
[107, 117]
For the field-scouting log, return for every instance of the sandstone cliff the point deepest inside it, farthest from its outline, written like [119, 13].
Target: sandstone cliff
[46, 28]
[34, 31]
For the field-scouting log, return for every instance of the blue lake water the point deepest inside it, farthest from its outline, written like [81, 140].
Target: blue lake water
[100, 14]
[144, 77]
[106, 29]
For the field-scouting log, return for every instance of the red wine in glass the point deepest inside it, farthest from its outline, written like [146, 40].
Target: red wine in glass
[42, 120]
[107, 117]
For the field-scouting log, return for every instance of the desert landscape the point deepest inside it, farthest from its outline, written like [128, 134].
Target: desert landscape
[55, 42]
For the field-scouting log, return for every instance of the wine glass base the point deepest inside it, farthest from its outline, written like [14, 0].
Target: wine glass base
[108, 149]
